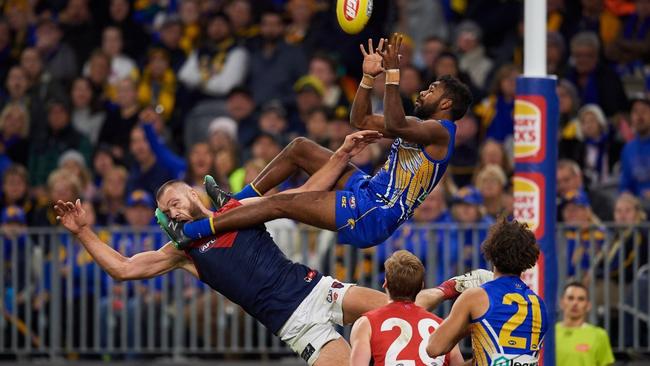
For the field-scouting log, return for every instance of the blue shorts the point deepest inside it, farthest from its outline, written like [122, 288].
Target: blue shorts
[361, 219]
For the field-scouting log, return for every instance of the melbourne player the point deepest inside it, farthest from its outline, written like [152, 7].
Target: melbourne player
[364, 210]
[398, 333]
[507, 320]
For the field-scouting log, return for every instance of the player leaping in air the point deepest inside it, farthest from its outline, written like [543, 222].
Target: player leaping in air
[364, 210]
[299, 305]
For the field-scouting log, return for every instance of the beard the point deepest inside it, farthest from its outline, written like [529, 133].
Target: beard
[195, 211]
[425, 111]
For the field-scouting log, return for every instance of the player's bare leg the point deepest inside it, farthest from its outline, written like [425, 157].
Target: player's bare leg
[334, 353]
[359, 300]
[300, 154]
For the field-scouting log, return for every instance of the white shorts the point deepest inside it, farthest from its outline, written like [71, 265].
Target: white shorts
[311, 326]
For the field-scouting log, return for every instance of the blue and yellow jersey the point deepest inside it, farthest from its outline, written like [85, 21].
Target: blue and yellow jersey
[410, 174]
[513, 327]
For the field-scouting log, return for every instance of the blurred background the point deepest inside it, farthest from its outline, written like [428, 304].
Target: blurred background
[106, 100]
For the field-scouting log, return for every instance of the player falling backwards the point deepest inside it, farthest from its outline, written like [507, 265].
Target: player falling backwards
[363, 210]
[507, 320]
[299, 305]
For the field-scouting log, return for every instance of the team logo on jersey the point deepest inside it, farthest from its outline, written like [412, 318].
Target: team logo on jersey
[337, 284]
[353, 203]
[205, 247]
[310, 276]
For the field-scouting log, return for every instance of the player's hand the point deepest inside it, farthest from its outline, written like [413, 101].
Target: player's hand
[372, 60]
[391, 54]
[355, 142]
[71, 215]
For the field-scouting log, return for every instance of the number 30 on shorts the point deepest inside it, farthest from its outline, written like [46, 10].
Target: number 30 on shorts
[425, 328]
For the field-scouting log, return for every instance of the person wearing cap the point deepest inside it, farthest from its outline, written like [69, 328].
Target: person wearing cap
[309, 95]
[583, 234]
[635, 159]
[467, 210]
[59, 137]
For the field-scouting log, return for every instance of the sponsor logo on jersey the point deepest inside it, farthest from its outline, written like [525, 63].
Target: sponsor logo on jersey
[337, 284]
[307, 352]
[530, 113]
[205, 247]
[310, 276]
[514, 360]
[353, 203]
[344, 202]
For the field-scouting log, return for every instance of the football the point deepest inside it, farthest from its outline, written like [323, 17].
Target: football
[353, 15]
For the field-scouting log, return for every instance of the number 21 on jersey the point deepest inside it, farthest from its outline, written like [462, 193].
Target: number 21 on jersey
[425, 328]
[506, 339]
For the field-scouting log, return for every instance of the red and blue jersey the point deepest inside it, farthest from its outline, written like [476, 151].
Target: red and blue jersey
[248, 268]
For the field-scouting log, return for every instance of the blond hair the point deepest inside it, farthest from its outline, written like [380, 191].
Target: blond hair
[11, 107]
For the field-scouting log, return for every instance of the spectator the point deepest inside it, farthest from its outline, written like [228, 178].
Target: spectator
[309, 95]
[170, 34]
[15, 190]
[273, 120]
[227, 168]
[6, 59]
[103, 162]
[275, 66]
[146, 172]
[61, 185]
[584, 235]
[432, 48]
[110, 206]
[491, 152]
[61, 59]
[219, 64]
[629, 249]
[635, 158]
[139, 210]
[121, 121]
[497, 110]
[631, 48]
[598, 19]
[570, 179]
[78, 27]
[596, 83]
[189, 14]
[157, 86]
[447, 64]
[200, 163]
[467, 210]
[17, 281]
[99, 69]
[324, 69]
[120, 17]
[222, 133]
[570, 146]
[422, 20]
[14, 133]
[60, 136]
[555, 54]
[87, 116]
[265, 147]
[17, 85]
[122, 67]
[472, 57]
[580, 343]
[42, 85]
[600, 148]
[411, 83]
[241, 108]
[73, 162]
[491, 181]
[306, 27]
[20, 20]
[317, 126]
[240, 14]
[339, 127]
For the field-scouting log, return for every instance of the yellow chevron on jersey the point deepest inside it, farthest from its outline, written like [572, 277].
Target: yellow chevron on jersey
[410, 174]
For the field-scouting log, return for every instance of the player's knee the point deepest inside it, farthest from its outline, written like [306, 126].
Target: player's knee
[299, 144]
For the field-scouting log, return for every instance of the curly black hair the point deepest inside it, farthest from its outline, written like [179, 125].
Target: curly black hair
[511, 247]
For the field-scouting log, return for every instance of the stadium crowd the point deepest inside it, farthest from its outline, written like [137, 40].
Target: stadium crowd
[107, 100]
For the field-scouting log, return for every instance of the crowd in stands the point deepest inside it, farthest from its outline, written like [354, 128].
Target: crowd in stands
[107, 100]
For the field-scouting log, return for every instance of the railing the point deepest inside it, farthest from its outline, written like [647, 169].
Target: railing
[56, 301]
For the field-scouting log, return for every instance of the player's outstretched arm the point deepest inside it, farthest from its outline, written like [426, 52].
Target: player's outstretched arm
[360, 342]
[143, 265]
[396, 123]
[454, 327]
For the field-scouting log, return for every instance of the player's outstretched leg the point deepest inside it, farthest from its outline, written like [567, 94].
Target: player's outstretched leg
[300, 154]
[359, 300]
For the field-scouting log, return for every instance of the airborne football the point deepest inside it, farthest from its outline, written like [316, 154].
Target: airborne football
[353, 15]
